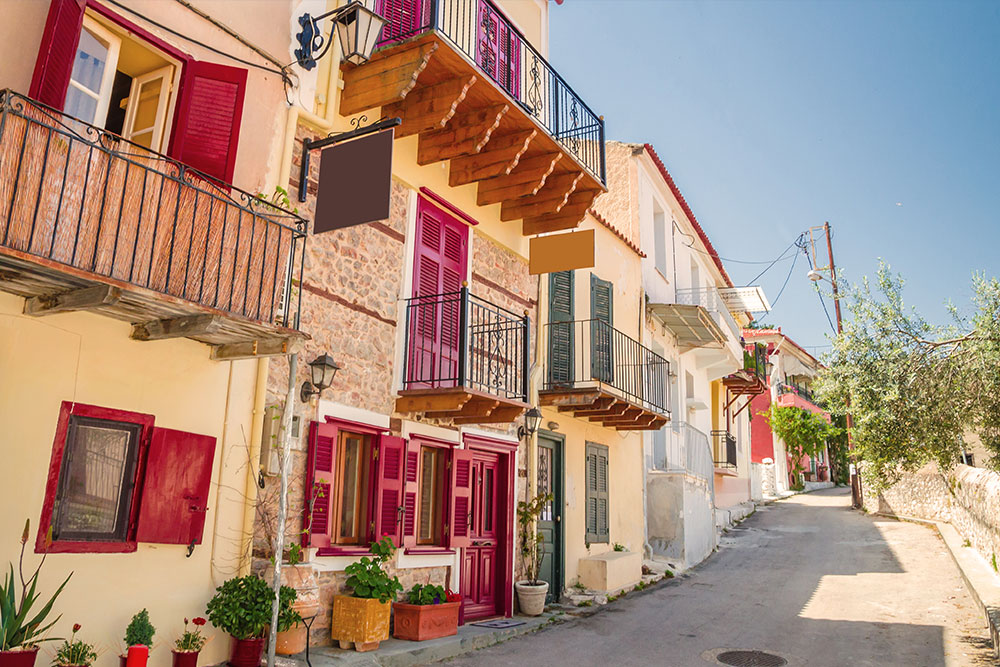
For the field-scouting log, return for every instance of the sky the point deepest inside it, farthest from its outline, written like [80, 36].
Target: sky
[882, 118]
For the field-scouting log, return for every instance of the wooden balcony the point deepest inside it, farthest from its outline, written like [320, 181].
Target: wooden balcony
[466, 360]
[518, 130]
[89, 221]
[752, 378]
[598, 373]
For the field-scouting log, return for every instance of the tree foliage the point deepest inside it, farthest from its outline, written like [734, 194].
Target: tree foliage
[912, 387]
[804, 433]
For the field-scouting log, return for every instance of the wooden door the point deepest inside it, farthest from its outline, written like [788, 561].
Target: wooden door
[550, 476]
[440, 266]
[498, 49]
[481, 570]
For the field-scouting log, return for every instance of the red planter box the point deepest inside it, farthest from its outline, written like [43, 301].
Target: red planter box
[418, 622]
[18, 658]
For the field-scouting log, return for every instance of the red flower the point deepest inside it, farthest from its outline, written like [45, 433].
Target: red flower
[76, 627]
[199, 621]
[185, 621]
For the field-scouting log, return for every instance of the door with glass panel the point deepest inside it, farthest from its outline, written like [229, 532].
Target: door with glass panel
[550, 476]
[480, 571]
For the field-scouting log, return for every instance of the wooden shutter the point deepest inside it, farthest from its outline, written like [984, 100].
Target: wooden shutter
[561, 295]
[460, 507]
[320, 469]
[57, 52]
[404, 18]
[597, 494]
[601, 342]
[208, 115]
[389, 492]
[411, 490]
[175, 487]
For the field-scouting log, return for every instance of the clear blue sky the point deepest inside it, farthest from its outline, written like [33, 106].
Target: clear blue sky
[775, 116]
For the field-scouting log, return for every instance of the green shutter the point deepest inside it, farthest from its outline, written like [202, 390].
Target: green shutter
[597, 494]
[601, 366]
[561, 328]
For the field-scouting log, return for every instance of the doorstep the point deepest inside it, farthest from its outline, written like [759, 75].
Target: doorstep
[399, 652]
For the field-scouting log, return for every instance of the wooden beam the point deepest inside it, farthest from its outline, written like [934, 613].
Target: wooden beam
[599, 405]
[568, 397]
[443, 402]
[569, 217]
[644, 419]
[655, 425]
[178, 327]
[613, 410]
[524, 182]
[497, 158]
[430, 108]
[384, 80]
[84, 298]
[254, 349]
[465, 134]
[505, 414]
[477, 406]
[550, 199]
[630, 415]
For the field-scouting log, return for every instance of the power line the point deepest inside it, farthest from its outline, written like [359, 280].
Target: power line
[785, 284]
[690, 245]
[751, 282]
[822, 301]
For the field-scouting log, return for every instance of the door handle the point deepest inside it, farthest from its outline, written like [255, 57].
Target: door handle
[558, 518]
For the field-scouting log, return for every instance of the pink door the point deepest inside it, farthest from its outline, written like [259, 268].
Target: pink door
[440, 264]
[479, 565]
[498, 49]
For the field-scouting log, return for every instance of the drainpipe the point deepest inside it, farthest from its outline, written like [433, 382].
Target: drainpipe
[224, 448]
[253, 455]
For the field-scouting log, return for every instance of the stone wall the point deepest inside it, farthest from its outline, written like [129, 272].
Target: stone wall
[968, 498]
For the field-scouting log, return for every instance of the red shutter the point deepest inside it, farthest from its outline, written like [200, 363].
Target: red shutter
[175, 487]
[209, 111]
[57, 52]
[411, 488]
[319, 478]
[459, 516]
[389, 492]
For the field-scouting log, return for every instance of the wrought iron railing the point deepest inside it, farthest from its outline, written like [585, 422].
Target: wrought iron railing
[81, 196]
[461, 340]
[788, 387]
[724, 449]
[592, 351]
[480, 30]
[755, 360]
[710, 299]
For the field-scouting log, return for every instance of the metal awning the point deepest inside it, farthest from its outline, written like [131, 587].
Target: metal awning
[745, 299]
[693, 325]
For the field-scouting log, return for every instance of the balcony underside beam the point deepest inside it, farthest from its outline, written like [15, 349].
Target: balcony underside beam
[459, 405]
[602, 405]
[85, 298]
[466, 133]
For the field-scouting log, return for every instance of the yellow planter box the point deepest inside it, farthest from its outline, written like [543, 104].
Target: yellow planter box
[359, 621]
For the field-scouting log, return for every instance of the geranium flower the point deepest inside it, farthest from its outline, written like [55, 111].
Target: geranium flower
[199, 621]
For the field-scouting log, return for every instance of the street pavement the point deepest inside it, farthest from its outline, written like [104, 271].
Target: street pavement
[807, 579]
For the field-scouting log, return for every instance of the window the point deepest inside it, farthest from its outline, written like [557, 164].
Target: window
[432, 484]
[93, 75]
[597, 494]
[560, 328]
[660, 240]
[104, 461]
[354, 452]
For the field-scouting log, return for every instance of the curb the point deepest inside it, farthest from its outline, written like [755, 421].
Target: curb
[978, 578]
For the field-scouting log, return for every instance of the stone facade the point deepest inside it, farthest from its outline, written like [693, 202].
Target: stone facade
[968, 498]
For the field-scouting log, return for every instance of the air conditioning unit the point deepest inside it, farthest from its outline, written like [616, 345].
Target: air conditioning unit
[270, 441]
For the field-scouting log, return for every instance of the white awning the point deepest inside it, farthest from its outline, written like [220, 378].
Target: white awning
[745, 299]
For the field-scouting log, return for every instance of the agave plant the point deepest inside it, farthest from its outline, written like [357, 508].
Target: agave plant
[19, 625]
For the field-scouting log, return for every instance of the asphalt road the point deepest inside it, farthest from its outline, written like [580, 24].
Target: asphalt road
[805, 578]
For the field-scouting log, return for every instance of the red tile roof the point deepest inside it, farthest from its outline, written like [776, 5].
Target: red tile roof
[687, 210]
[614, 230]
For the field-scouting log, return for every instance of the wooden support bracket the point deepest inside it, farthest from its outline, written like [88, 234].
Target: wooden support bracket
[268, 347]
[550, 199]
[85, 298]
[465, 134]
[178, 327]
[477, 406]
[505, 414]
[384, 80]
[430, 108]
[497, 158]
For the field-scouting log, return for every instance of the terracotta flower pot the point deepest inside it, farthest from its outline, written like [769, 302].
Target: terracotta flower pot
[292, 641]
[246, 652]
[359, 622]
[185, 658]
[531, 598]
[301, 577]
[418, 622]
[19, 658]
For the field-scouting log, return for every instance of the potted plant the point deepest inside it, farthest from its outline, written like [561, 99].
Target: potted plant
[531, 592]
[293, 635]
[361, 620]
[428, 613]
[190, 643]
[22, 622]
[242, 608]
[138, 640]
[75, 652]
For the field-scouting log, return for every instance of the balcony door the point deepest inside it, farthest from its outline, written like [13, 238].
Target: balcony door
[440, 265]
[601, 352]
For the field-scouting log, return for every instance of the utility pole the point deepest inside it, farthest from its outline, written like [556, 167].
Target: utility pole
[833, 279]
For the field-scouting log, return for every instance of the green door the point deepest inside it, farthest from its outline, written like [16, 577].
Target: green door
[550, 480]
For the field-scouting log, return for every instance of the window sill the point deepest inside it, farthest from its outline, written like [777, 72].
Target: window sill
[81, 547]
[428, 551]
[343, 551]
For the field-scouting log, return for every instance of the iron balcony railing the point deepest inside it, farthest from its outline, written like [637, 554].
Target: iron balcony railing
[592, 351]
[458, 339]
[81, 196]
[710, 299]
[724, 449]
[480, 30]
[682, 449]
[788, 387]
[755, 360]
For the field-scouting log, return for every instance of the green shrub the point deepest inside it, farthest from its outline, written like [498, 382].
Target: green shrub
[242, 607]
[140, 631]
[368, 579]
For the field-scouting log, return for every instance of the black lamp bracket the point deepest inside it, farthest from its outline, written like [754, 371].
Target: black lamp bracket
[311, 38]
[309, 145]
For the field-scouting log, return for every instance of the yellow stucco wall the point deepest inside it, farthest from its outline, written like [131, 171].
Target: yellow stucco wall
[90, 359]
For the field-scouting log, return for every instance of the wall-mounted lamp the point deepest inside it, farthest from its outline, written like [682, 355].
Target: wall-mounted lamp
[322, 370]
[532, 418]
[357, 27]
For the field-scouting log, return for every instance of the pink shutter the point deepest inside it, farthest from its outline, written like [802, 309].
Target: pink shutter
[209, 111]
[320, 478]
[175, 487]
[411, 489]
[389, 490]
[403, 18]
[460, 510]
[57, 52]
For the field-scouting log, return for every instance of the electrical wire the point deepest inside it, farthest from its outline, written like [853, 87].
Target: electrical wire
[822, 301]
[754, 279]
[787, 277]
[690, 245]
